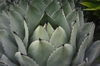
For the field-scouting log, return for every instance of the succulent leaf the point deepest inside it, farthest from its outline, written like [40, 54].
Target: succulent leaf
[55, 6]
[59, 17]
[83, 63]
[92, 52]
[71, 17]
[25, 60]
[23, 5]
[40, 50]
[46, 1]
[33, 16]
[73, 36]
[67, 8]
[49, 29]
[40, 33]
[62, 56]
[8, 45]
[20, 44]
[16, 23]
[59, 37]
[4, 19]
[81, 52]
[26, 38]
[6, 61]
[18, 9]
[39, 4]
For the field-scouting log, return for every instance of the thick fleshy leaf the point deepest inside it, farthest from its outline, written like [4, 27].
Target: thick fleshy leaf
[81, 18]
[81, 52]
[55, 6]
[59, 17]
[84, 63]
[33, 17]
[39, 4]
[3, 64]
[49, 29]
[85, 30]
[8, 45]
[59, 37]
[63, 1]
[39, 33]
[25, 41]
[71, 17]
[4, 19]
[16, 23]
[72, 4]
[73, 36]
[6, 61]
[62, 56]
[18, 9]
[46, 18]
[20, 44]
[93, 52]
[67, 8]
[2, 26]
[23, 5]
[40, 50]
[25, 60]
[91, 33]
[46, 1]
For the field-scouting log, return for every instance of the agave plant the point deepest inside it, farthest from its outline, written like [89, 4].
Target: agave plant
[46, 33]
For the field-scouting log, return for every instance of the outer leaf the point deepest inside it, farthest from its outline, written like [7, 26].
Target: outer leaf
[16, 23]
[49, 29]
[20, 44]
[8, 45]
[85, 30]
[4, 19]
[26, 35]
[40, 50]
[71, 17]
[2, 64]
[59, 37]
[72, 4]
[46, 1]
[59, 17]
[62, 56]
[84, 63]
[25, 60]
[67, 8]
[23, 5]
[91, 33]
[55, 6]
[46, 18]
[6, 61]
[39, 4]
[93, 52]
[2, 26]
[80, 55]
[40, 33]
[81, 18]
[73, 36]
[33, 17]
[18, 9]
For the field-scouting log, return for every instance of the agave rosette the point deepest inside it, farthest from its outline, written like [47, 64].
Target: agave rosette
[46, 33]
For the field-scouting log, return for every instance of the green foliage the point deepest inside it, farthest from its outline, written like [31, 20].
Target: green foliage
[93, 5]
